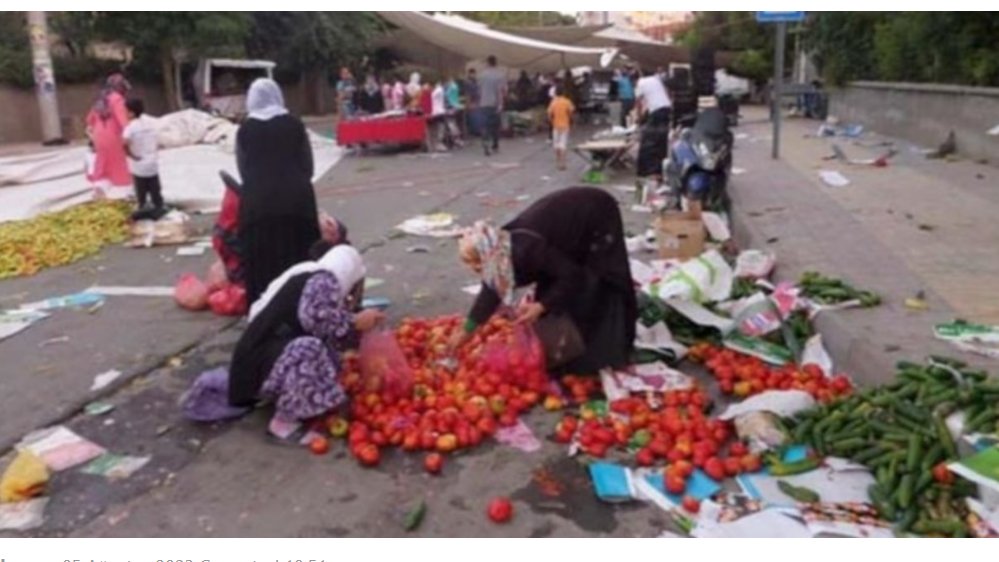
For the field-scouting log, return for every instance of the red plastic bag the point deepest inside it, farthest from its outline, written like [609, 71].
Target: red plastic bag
[383, 366]
[190, 292]
[228, 301]
[517, 357]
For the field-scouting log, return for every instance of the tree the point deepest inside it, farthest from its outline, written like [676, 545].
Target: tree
[308, 45]
[161, 37]
[519, 19]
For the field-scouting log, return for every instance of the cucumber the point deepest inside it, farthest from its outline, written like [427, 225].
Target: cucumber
[913, 453]
[798, 493]
[906, 489]
[943, 434]
[797, 467]
[948, 527]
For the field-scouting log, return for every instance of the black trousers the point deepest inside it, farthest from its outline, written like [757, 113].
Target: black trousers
[148, 188]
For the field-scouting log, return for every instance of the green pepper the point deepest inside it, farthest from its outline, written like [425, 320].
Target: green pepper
[415, 516]
[798, 493]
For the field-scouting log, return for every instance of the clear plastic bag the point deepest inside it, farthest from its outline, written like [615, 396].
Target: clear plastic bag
[517, 357]
[228, 301]
[383, 365]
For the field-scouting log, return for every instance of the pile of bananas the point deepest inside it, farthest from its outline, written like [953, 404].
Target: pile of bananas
[53, 239]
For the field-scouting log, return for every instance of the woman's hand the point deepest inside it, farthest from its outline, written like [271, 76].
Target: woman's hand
[529, 312]
[368, 319]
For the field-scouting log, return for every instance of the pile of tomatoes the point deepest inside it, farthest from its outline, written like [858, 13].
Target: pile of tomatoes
[743, 375]
[499, 374]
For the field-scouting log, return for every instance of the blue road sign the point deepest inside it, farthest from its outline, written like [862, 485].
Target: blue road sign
[773, 17]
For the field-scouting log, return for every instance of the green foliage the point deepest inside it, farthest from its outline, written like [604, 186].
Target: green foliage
[310, 41]
[753, 64]
[161, 33]
[519, 19]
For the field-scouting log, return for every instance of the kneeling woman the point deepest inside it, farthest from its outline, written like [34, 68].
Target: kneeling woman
[569, 243]
[290, 352]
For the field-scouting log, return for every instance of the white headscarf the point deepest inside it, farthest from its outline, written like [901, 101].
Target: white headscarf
[343, 261]
[414, 87]
[264, 100]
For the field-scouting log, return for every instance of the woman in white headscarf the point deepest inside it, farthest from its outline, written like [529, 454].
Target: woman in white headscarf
[277, 213]
[290, 352]
[414, 90]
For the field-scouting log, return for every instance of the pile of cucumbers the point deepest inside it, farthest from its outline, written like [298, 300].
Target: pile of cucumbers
[898, 431]
[829, 290]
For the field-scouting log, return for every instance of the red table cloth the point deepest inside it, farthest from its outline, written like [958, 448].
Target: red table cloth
[400, 130]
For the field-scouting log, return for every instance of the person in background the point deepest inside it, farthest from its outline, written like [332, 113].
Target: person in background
[473, 117]
[571, 245]
[492, 94]
[414, 91]
[346, 88]
[398, 95]
[277, 211]
[625, 94]
[452, 94]
[443, 119]
[369, 98]
[290, 352]
[426, 99]
[105, 123]
[141, 146]
[560, 117]
[653, 109]
[387, 94]
[524, 89]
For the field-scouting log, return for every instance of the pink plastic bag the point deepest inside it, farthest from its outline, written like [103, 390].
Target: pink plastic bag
[228, 301]
[216, 278]
[383, 365]
[517, 358]
[190, 292]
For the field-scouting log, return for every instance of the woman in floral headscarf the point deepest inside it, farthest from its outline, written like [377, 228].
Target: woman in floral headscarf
[570, 245]
[105, 123]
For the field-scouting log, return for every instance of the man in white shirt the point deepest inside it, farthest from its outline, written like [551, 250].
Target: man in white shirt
[653, 108]
[443, 120]
[141, 146]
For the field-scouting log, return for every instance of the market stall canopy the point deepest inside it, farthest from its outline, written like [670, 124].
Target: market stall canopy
[644, 51]
[476, 41]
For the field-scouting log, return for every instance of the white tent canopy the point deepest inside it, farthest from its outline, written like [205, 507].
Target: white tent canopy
[477, 41]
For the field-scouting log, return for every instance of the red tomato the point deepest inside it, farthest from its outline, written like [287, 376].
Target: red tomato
[500, 510]
[751, 463]
[675, 484]
[319, 445]
[433, 463]
[690, 504]
[645, 457]
[715, 468]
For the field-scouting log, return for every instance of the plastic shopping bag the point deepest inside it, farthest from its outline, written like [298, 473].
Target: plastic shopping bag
[24, 479]
[190, 292]
[228, 301]
[517, 357]
[383, 366]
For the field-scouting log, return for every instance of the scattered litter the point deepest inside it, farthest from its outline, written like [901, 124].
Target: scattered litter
[104, 379]
[98, 408]
[657, 338]
[546, 178]
[784, 403]
[191, 250]
[23, 516]
[641, 209]
[850, 519]
[626, 188]
[373, 282]
[418, 249]
[482, 194]
[14, 321]
[519, 436]
[77, 300]
[408, 184]
[815, 354]
[439, 225]
[979, 339]
[917, 302]
[773, 240]
[115, 467]
[833, 178]
[657, 377]
[927, 227]
[755, 264]
[716, 226]
[703, 279]
[946, 149]
[424, 193]
[738, 171]
[175, 362]
[523, 197]
[504, 165]
[472, 289]
[994, 131]
[50, 341]
[741, 136]
[25, 478]
[163, 429]
[380, 303]
[761, 430]
[59, 448]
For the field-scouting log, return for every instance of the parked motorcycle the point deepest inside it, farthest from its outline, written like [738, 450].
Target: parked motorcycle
[700, 161]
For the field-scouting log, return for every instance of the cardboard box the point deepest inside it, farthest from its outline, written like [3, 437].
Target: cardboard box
[680, 235]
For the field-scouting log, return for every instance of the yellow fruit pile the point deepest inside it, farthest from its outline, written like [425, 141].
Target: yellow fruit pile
[53, 239]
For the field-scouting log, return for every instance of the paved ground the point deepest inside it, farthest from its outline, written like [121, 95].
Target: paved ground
[228, 480]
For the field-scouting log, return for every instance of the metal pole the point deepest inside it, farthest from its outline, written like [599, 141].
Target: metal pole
[45, 86]
[778, 78]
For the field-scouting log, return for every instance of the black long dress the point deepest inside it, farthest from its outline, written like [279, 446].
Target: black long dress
[278, 218]
[571, 244]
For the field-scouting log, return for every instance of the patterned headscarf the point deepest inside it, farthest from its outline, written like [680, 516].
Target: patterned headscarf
[493, 248]
[115, 83]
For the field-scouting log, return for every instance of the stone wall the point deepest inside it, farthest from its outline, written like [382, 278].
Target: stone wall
[924, 113]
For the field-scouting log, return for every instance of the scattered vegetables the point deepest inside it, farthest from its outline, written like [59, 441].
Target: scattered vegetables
[829, 290]
[500, 510]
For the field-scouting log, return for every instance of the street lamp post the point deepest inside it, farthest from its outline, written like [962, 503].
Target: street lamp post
[45, 86]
